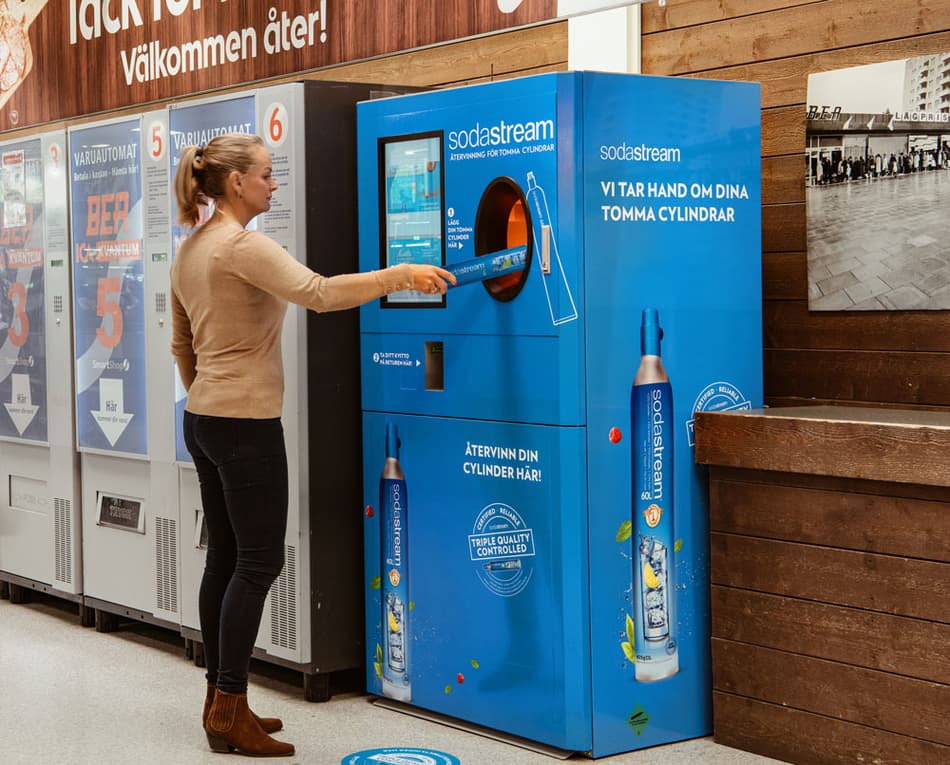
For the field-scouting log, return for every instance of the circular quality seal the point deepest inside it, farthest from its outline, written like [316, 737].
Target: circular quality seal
[400, 756]
[502, 549]
[716, 397]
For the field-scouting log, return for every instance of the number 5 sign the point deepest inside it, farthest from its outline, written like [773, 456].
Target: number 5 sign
[156, 141]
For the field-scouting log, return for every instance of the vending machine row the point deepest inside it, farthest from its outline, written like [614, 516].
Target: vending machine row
[101, 502]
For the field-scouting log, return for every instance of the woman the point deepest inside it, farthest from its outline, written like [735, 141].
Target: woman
[230, 289]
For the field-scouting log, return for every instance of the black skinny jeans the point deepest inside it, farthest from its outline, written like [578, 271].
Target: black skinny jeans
[242, 471]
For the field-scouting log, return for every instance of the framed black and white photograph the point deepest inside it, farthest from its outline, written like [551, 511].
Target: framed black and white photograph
[877, 186]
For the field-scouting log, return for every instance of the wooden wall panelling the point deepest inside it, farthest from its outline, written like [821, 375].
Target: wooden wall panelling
[852, 636]
[793, 31]
[837, 517]
[830, 594]
[535, 49]
[856, 694]
[785, 81]
[914, 588]
[784, 228]
[795, 736]
[913, 491]
[908, 448]
[789, 323]
[862, 375]
[794, 401]
[784, 277]
[783, 132]
[687, 13]
[779, 44]
[783, 179]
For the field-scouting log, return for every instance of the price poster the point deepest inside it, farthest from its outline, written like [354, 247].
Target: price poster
[108, 287]
[196, 125]
[23, 414]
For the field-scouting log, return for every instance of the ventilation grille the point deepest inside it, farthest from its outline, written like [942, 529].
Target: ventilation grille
[283, 604]
[57, 303]
[63, 540]
[166, 564]
[161, 299]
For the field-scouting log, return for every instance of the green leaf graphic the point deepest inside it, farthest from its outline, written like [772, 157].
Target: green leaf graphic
[677, 545]
[412, 605]
[638, 720]
[474, 664]
[629, 652]
[375, 583]
[631, 634]
[448, 690]
[379, 669]
[379, 653]
[625, 531]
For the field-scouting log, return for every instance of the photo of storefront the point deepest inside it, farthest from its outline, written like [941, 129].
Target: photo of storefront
[876, 181]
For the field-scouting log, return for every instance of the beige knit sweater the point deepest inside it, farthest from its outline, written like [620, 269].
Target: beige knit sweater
[230, 289]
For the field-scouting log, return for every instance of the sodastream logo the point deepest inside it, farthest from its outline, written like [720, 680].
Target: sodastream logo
[499, 134]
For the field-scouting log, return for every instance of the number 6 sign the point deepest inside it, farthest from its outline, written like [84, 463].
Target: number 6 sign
[275, 126]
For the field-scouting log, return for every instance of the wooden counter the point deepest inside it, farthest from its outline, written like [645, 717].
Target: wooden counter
[830, 573]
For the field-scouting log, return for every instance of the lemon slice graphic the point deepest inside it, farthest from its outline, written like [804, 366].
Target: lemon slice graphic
[649, 577]
[393, 624]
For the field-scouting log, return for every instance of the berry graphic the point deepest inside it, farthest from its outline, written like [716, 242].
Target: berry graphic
[369, 511]
[460, 677]
[615, 435]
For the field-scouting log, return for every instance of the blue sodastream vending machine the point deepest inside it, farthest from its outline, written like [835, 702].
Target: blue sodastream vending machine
[535, 528]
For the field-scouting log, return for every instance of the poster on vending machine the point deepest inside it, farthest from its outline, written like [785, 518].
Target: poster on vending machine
[23, 415]
[108, 287]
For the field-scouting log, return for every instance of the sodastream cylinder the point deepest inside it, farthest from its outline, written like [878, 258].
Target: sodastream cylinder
[394, 538]
[651, 422]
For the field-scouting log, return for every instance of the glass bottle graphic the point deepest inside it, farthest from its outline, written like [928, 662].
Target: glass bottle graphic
[394, 538]
[556, 288]
[651, 422]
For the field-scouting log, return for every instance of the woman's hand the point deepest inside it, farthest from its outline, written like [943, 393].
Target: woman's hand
[430, 279]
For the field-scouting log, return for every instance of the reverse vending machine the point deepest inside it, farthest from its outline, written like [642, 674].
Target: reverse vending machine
[121, 254]
[40, 527]
[535, 529]
[313, 615]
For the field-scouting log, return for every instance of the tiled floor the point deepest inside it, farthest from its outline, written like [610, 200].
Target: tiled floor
[70, 695]
[882, 244]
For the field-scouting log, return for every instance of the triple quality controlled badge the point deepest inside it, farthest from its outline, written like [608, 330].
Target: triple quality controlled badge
[502, 548]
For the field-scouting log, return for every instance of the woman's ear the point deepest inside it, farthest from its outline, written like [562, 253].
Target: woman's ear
[234, 183]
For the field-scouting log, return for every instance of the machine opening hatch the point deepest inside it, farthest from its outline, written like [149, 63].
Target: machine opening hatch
[502, 223]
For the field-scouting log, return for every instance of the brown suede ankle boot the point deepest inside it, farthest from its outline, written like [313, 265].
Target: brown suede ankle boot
[231, 727]
[269, 724]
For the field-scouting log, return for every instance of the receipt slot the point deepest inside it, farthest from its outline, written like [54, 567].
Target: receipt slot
[537, 564]
[40, 522]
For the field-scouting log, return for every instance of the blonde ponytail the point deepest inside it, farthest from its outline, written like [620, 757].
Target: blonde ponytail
[203, 171]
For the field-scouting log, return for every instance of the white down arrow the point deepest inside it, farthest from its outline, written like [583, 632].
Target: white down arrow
[21, 407]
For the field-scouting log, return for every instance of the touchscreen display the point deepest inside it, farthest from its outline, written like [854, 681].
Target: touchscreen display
[411, 201]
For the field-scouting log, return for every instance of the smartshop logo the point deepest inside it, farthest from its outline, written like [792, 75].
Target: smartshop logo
[501, 134]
